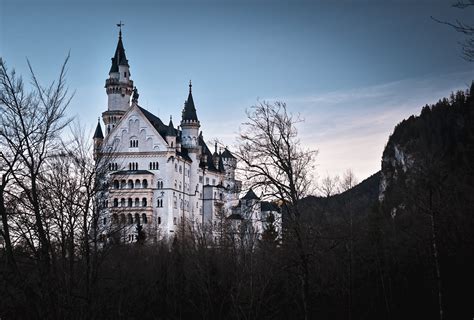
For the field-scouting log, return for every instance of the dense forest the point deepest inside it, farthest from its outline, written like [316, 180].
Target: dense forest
[397, 245]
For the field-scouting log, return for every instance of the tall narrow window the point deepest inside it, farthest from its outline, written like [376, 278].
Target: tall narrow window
[144, 219]
[133, 142]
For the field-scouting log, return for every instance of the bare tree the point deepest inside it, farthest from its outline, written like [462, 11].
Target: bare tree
[274, 161]
[329, 186]
[30, 128]
[348, 181]
[465, 28]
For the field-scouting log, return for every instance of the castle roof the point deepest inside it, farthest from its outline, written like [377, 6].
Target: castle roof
[171, 131]
[119, 58]
[250, 195]
[209, 161]
[98, 132]
[189, 111]
[156, 122]
[227, 154]
[269, 206]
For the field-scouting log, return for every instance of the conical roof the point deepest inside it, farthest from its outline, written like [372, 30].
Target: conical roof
[98, 132]
[119, 59]
[227, 154]
[171, 132]
[189, 111]
[250, 195]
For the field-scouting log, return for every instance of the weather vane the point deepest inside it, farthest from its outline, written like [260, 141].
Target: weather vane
[120, 24]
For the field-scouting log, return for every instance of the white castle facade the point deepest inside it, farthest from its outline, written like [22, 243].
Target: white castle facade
[161, 177]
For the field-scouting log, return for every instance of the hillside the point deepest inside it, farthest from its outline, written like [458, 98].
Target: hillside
[404, 236]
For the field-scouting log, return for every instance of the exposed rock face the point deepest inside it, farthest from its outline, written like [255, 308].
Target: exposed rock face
[427, 149]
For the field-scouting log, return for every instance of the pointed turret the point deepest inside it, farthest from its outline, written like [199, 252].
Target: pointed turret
[171, 131]
[98, 131]
[250, 195]
[171, 134]
[190, 123]
[119, 58]
[189, 111]
[98, 139]
[118, 86]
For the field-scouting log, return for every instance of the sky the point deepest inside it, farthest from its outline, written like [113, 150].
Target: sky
[351, 69]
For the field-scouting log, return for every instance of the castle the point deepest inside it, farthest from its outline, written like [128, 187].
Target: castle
[160, 176]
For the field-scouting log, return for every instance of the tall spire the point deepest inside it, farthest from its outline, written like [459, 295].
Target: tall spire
[119, 59]
[98, 131]
[171, 131]
[189, 111]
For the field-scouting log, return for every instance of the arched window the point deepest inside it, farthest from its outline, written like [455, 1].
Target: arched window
[130, 202]
[137, 218]
[130, 184]
[122, 202]
[137, 202]
[115, 202]
[114, 218]
[159, 220]
[130, 218]
[123, 183]
[137, 183]
[133, 142]
[144, 218]
[122, 218]
[144, 202]
[116, 184]
[144, 183]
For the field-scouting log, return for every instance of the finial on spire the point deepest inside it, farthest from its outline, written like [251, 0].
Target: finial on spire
[120, 24]
[190, 86]
[171, 118]
[98, 119]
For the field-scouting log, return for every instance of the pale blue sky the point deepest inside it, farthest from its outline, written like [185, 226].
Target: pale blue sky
[352, 69]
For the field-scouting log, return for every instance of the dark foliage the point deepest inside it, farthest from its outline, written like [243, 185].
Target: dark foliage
[367, 259]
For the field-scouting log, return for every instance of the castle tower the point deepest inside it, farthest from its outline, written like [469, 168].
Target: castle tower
[118, 86]
[171, 135]
[190, 123]
[98, 139]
